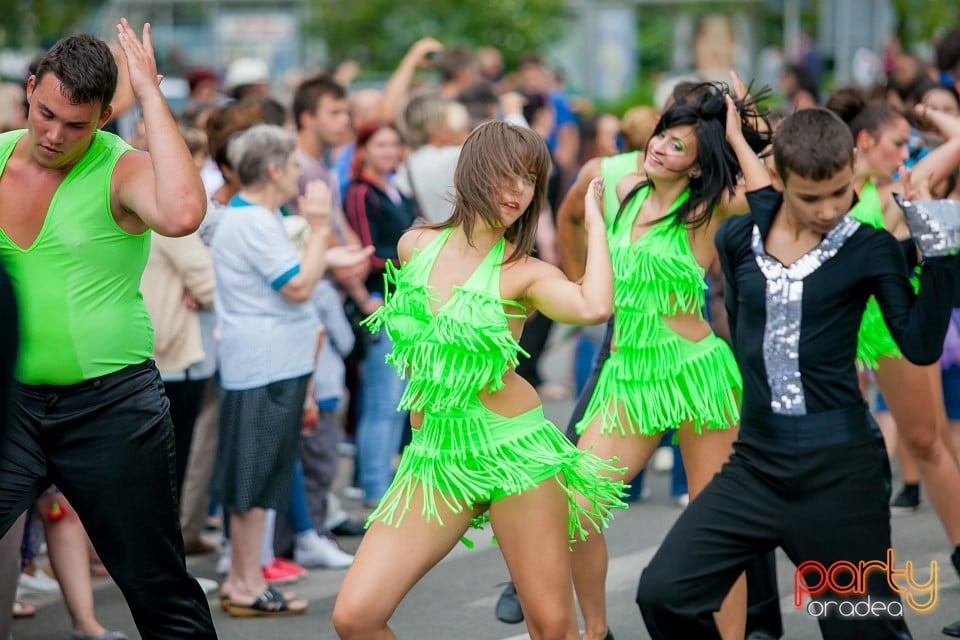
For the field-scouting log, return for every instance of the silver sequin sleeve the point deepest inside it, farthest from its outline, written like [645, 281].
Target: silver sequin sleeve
[934, 225]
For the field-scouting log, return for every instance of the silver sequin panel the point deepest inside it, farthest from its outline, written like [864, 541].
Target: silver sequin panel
[781, 335]
[934, 225]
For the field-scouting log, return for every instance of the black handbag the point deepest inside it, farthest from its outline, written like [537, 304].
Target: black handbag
[361, 334]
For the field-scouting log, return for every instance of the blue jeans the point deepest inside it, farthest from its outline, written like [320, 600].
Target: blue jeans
[585, 354]
[380, 426]
[298, 515]
[678, 475]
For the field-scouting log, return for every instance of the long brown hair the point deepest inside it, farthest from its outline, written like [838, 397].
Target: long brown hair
[492, 155]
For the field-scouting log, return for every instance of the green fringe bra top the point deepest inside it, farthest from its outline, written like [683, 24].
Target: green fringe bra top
[464, 348]
[655, 275]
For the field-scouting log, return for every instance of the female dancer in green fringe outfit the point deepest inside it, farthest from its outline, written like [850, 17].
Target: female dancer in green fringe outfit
[454, 309]
[667, 370]
[913, 393]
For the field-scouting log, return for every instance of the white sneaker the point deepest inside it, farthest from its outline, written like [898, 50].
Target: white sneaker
[40, 582]
[313, 550]
[335, 512]
[353, 493]
[662, 460]
[683, 499]
[223, 562]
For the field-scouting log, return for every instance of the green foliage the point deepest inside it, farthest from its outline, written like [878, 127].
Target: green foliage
[920, 22]
[654, 40]
[377, 33]
[31, 23]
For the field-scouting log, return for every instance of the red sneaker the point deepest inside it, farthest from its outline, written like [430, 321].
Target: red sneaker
[283, 572]
[290, 566]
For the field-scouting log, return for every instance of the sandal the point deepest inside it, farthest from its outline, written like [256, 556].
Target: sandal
[270, 603]
[23, 610]
[289, 596]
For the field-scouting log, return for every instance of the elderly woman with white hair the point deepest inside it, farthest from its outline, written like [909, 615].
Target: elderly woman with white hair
[266, 325]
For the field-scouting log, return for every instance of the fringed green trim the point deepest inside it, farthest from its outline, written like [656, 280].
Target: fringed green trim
[451, 356]
[874, 340]
[663, 278]
[397, 299]
[456, 464]
[649, 396]
[646, 361]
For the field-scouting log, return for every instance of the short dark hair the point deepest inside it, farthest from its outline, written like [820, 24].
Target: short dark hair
[451, 62]
[860, 113]
[85, 66]
[813, 144]
[931, 86]
[229, 120]
[309, 93]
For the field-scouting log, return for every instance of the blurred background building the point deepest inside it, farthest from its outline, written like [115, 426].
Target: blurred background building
[609, 50]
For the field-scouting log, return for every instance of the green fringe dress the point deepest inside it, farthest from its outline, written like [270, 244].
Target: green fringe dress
[654, 379]
[874, 340]
[464, 454]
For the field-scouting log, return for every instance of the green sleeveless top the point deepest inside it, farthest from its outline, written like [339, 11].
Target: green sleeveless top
[869, 209]
[874, 340]
[78, 284]
[463, 348]
[612, 170]
[656, 275]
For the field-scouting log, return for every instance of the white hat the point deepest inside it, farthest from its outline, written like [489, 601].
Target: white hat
[246, 71]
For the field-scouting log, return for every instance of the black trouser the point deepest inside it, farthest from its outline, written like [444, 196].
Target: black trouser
[107, 444]
[186, 400]
[533, 340]
[763, 597]
[825, 500]
[8, 343]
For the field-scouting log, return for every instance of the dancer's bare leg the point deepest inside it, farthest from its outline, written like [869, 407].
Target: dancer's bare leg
[914, 395]
[369, 595]
[589, 558]
[703, 455]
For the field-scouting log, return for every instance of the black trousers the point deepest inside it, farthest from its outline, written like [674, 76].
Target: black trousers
[8, 343]
[763, 598]
[826, 502]
[107, 443]
[186, 400]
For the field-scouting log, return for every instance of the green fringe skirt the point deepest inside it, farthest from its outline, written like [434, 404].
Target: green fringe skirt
[873, 339]
[473, 456]
[665, 382]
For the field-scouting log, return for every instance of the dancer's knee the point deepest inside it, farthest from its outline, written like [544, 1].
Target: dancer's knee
[556, 624]
[352, 618]
[924, 443]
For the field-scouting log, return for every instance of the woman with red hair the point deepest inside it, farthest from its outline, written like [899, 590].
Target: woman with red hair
[379, 213]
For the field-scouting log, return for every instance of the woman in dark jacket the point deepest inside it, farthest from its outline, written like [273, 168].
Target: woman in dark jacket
[379, 214]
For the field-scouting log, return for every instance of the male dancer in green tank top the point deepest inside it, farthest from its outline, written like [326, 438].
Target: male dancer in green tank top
[89, 415]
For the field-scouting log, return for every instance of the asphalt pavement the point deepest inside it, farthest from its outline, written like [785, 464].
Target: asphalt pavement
[457, 598]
